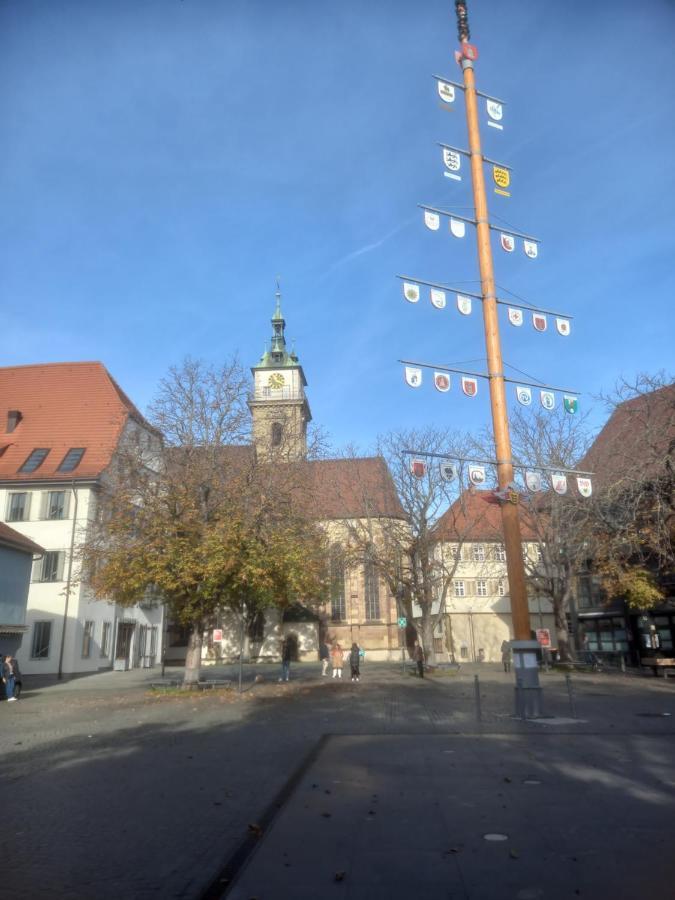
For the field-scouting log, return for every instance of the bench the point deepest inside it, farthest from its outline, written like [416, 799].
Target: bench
[214, 683]
[658, 664]
[166, 684]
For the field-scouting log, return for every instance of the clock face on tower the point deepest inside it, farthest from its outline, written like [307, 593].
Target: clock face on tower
[276, 380]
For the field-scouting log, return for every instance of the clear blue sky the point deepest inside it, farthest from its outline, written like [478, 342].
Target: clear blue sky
[161, 161]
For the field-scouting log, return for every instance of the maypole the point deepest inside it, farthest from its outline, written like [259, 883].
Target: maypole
[525, 650]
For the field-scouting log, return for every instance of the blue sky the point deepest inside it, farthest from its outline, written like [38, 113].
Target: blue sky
[162, 161]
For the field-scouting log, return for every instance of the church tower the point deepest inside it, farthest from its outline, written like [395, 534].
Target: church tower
[278, 404]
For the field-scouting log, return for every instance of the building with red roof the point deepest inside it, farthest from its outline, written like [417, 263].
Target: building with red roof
[477, 608]
[61, 426]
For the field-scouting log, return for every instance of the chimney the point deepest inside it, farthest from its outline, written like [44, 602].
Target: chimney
[13, 419]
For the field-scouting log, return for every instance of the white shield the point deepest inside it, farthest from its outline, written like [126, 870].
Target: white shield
[452, 159]
[469, 386]
[585, 486]
[507, 242]
[413, 376]
[494, 110]
[446, 91]
[559, 482]
[477, 474]
[411, 292]
[438, 298]
[547, 399]
[563, 326]
[457, 227]
[464, 304]
[530, 249]
[524, 395]
[448, 471]
[432, 220]
[539, 322]
[442, 382]
[533, 481]
[515, 316]
[418, 468]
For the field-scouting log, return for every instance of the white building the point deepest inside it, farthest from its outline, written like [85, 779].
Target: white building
[477, 613]
[61, 426]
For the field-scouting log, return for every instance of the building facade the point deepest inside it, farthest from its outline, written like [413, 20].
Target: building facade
[476, 616]
[63, 426]
[16, 562]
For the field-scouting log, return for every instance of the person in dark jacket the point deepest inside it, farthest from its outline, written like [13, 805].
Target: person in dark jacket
[354, 661]
[286, 653]
[418, 656]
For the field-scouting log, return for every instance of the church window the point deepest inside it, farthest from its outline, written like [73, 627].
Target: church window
[372, 589]
[337, 584]
[277, 434]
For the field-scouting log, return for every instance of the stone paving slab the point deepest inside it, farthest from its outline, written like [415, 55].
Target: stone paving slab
[110, 790]
[573, 828]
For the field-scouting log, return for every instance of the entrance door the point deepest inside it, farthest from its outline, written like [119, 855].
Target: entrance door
[125, 633]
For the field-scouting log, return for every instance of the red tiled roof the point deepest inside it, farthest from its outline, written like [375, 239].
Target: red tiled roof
[636, 440]
[327, 488]
[351, 488]
[472, 518]
[11, 538]
[62, 405]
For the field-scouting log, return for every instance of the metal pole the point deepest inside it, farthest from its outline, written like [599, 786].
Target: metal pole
[69, 578]
[241, 648]
[476, 690]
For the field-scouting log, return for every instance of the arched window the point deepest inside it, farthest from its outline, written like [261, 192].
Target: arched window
[337, 584]
[372, 588]
[277, 433]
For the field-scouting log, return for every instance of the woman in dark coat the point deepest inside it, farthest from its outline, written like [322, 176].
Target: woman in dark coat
[354, 661]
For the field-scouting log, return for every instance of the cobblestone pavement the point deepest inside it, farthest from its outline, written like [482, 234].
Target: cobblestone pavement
[110, 789]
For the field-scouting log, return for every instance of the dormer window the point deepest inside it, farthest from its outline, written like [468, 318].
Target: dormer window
[35, 460]
[72, 459]
[13, 418]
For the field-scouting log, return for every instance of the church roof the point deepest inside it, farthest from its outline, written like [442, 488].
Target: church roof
[350, 488]
[329, 488]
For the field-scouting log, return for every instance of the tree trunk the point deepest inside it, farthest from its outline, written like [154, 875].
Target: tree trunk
[561, 632]
[193, 658]
[428, 635]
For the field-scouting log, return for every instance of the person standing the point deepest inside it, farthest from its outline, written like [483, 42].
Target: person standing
[506, 655]
[354, 661]
[418, 656]
[285, 660]
[324, 656]
[337, 659]
[8, 678]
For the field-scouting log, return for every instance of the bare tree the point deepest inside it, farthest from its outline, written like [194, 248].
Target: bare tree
[405, 550]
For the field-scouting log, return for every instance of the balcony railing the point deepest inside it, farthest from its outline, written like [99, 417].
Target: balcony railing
[284, 393]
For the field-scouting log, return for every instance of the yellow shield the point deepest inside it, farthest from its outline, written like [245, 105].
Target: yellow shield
[501, 176]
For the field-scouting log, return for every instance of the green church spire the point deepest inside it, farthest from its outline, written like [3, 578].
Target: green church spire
[278, 355]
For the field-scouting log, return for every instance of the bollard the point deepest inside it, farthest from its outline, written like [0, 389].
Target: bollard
[476, 687]
[570, 694]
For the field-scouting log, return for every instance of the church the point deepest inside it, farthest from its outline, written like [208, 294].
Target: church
[340, 494]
